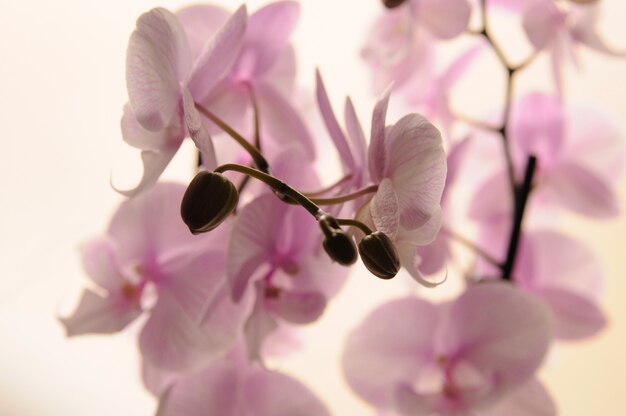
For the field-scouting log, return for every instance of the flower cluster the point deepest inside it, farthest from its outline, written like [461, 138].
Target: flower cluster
[228, 266]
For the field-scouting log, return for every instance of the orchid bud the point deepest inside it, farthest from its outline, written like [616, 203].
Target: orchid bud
[208, 201]
[379, 255]
[390, 4]
[337, 244]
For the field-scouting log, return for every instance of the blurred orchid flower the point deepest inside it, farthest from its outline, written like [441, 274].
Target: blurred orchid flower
[417, 358]
[149, 262]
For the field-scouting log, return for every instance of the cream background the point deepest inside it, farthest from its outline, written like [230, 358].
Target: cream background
[61, 92]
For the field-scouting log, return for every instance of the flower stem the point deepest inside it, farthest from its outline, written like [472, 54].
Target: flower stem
[347, 197]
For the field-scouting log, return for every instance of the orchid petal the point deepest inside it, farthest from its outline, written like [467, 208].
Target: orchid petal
[137, 136]
[407, 402]
[298, 307]
[201, 22]
[384, 209]
[417, 165]
[218, 55]
[575, 316]
[258, 327]
[198, 132]
[531, 399]
[270, 393]
[582, 191]
[542, 20]
[157, 60]
[156, 380]
[378, 146]
[331, 123]
[412, 262]
[391, 344]
[355, 133]
[444, 18]
[100, 264]
[100, 315]
[154, 163]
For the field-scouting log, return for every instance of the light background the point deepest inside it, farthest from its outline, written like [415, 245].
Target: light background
[61, 93]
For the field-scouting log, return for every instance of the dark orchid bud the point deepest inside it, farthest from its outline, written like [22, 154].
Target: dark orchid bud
[390, 4]
[208, 201]
[379, 255]
[337, 244]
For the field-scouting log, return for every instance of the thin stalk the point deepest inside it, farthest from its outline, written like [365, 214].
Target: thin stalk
[347, 197]
[354, 223]
[328, 188]
[472, 246]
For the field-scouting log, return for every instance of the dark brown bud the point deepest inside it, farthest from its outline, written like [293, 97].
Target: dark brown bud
[208, 201]
[338, 245]
[379, 255]
[390, 4]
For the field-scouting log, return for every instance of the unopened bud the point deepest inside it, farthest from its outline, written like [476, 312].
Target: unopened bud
[338, 244]
[208, 201]
[379, 255]
[390, 4]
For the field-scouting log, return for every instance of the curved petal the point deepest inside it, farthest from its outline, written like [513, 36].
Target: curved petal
[99, 315]
[384, 209]
[135, 135]
[298, 307]
[198, 132]
[416, 163]
[542, 20]
[444, 18]
[378, 148]
[157, 60]
[531, 399]
[201, 22]
[575, 316]
[356, 135]
[154, 163]
[412, 262]
[389, 347]
[583, 191]
[100, 264]
[218, 55]
[269, 393]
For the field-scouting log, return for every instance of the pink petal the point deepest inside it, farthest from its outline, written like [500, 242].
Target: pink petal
[409, 403]
[389, 347]
[531, 399]
[298, 307]
[575, 316]
[218, 55]
[583, 191]
[258, 327]
[269, 29]
[154, 163]
[198, 132]
[444, 18]
[434, 256]
[281, 120]
[201, 22]
[542, 20]
[358, 142]
[416, 164]
[584, 29]
[212, 391]
[378, 147]
[411, 261]
[270, 393]
[157, 381]
[481, 328]
[384, 209]
[492, 199]
[157, 60]
[100, 315]
[332, 125]
[100, 264]
[135, 135]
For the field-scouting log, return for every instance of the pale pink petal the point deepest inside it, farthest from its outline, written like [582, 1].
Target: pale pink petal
[100, 315]
[456, 155]
[384, 209]
[336, 134]
[378, 147]
[481, 327]
[100, 264]
[135, 135]
[268, 34]
[575, 316]
[218, 55]
[407, 402]
[269, 393]
[460, 66]
[358, 142]
[583, 191]
[154, 163]
[281, 121]
[542, 20]
[297, 307]
[492, 199]
[584, 29]
[156, 380]
[213, 391]
[425, 234]
[198, 132]
[434, 256]
[201, 22]
[531, 399]
[157, 60]
[390, 346]
[416, 163]
[444, 18]
[411, 261]
[258, 327]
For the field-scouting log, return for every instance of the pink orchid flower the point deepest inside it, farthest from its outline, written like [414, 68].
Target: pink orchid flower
[417, 358]
[263, 71]
[406, 161]
[233, 386]
[164, 82]
[560, 28]
[148, 262]
[580, 154]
